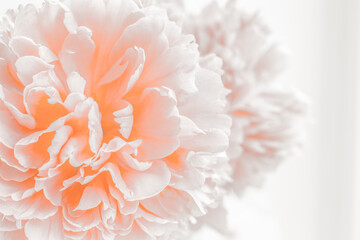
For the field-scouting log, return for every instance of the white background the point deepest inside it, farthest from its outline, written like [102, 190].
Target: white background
[313, 196]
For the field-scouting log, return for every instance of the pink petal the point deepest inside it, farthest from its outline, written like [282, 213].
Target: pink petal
[10, 131]
[49, 79]
[95, 129]
[14, 189]
[6, 80]
[31, 151]
[76, 83]
[29, 66]
[9, 223]
[49, 229]
[212, 141]
[17, 234]
[148, 183]
[91, 198]
[77, 52]
[36, 206]
[10, 173]
[129, 162]
[125, 118]
[7, 156]
[24, 46]
[76, 150]
[157, 124]
[136, 234]
[83, 219]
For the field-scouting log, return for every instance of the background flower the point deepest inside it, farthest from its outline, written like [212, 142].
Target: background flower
[267, 115]
[112, 126]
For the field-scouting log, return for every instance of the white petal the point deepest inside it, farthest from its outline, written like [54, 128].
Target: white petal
[29, 66]
[125, 118]
[77, 51]
[76, 83]
[91, 198]
[148, 183]
[49, 229]
[10, 131]
[157, 124]
[95, 129]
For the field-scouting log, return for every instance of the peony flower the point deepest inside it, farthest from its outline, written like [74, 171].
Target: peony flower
[111, 124]
[267, 115]
[175, 10]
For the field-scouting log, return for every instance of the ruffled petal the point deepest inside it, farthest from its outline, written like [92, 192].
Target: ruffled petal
[28, 66]
[157, 124]
[77, 51]
[147, 183]
[50, 228]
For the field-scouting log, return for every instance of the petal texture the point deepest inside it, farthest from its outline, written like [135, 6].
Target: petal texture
[104, 131]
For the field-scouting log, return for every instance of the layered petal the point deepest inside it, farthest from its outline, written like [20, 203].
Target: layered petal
[111, 126]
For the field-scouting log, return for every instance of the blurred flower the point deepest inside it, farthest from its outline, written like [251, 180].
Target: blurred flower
[112, 126]
[267, 115]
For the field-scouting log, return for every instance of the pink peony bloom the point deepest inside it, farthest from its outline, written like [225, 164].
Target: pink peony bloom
[111, 124]
[267, 116]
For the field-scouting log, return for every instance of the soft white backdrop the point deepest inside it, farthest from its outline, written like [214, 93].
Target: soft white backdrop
[316, 195]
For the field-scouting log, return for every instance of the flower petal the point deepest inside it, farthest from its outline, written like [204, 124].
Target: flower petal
[148, 183]
[77, 52]
[50, 228]
[28, 66]
[32, 151]
[36, 206]
[157, 124]
[10, 131]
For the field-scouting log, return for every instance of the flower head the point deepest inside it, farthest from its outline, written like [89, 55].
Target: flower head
[112, 126]
[267, 115]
